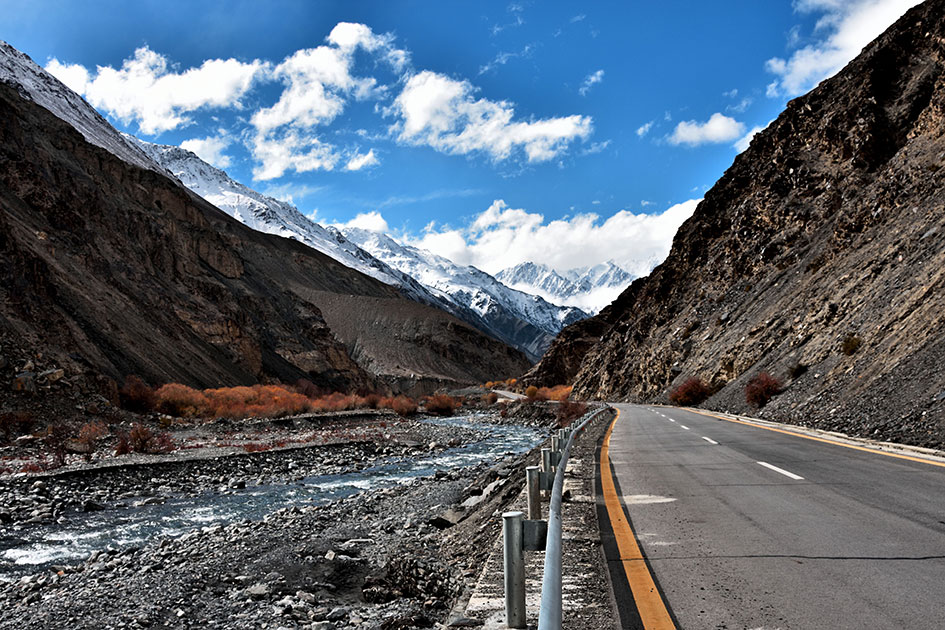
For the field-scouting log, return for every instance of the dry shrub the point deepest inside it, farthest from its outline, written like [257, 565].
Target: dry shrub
[13, 424]
[162, 443]
[309, 389]
[179, 400]
[122, 444]
[690, 393]
[490, 399]
[531, 392]
[136, 395]
[401, 405]
[55, 438]
[569, 411]
[372, 401]
[760, 389]
[140, 438]
[441, 404]
[851, 343]
[90, 434]
[558, 392]
[338, 402]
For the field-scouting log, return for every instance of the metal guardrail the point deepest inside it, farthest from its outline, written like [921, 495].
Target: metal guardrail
[532, 534]
[549, 614]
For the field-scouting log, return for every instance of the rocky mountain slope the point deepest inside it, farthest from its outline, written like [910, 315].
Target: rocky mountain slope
[818, 257]
[109, 268]
[590, 288]
[522, 320]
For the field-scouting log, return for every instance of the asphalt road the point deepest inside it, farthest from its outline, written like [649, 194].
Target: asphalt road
[819, 536]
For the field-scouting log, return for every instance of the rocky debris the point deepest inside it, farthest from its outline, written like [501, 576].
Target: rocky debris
[370, 561]
[824, 230]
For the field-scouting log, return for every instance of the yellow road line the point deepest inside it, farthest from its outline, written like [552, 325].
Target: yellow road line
[865, 449]
[649, 603]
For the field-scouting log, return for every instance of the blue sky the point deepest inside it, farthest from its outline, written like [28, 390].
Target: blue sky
[492, 133]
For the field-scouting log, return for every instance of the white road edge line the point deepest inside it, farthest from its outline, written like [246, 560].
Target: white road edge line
[684, 426]
[782, 471]
[709, 440]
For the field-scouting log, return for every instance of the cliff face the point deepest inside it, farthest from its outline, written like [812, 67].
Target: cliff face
[829, 228]
[113, 269]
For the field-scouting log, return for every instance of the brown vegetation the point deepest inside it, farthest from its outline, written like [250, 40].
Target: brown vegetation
[441, 404]
[760, 389]
[569, 411]
[692, 392]
[90, 434]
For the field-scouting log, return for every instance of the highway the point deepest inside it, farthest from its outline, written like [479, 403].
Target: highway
[745, 527]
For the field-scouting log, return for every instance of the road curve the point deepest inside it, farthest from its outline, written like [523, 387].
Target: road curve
[744, 527]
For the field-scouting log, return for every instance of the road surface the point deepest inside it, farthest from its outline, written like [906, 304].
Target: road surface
[745, 527]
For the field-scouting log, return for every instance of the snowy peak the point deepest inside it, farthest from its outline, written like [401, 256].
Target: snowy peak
[524, 320]
[37, 85]
[590, 288]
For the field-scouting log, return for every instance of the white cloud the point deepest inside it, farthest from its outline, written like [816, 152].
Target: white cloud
[645, 129]
[719, 128]
[578, 18]
[210, 149]
[596, 147]
[741, 106]
[145, 91]
[372, 221]
[590, 80]
[742, 143]
[291, 150]
[846, 26]
[361, 160]
[504, 57]
[731, 93]
[501, 237]
[445, 114]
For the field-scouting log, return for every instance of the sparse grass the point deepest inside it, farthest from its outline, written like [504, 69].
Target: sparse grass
[850, 344]
[760, 389]
[692, 392]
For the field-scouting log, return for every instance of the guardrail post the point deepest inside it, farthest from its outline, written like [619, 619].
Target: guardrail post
[555, 451]
[514, 569]
[532, 491]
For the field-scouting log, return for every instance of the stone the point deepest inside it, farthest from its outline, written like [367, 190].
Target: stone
[25, 382]
[51, 376]
[258, 590]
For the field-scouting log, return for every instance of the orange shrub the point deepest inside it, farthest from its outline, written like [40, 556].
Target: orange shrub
[179, 400]
[531, 392]
[401, 405]
[558, 392]
[490, 399]
[690, 393]
[441, 404]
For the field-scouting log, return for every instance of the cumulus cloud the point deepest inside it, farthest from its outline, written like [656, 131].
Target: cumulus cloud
[444, 113]
[644, 129]
[501, 237]
[372, 221]
[742, 143]
[590, 80]
[719, 128]
[361, 160]
[844, 29]
[210, 149]
[146, 91]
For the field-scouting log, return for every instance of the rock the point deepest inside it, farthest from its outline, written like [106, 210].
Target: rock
[237, 484]
[51, 376]
[337, 614]
[25, 382]
[92, 506]
[258, 590]
[330, 555]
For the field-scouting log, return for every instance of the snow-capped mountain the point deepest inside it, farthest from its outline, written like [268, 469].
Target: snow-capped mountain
[521, 319]
[590, 288]
[16, 68]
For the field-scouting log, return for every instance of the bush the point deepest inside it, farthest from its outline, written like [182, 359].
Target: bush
[531, 392]
[692, 392]
[13, 424]
[123, 444]
[139, 438]
[569, 411]
[851, 343]
[136, 395]
[179, 400]
[401, 405]
[490, 399]
[558, 392]
[90, 434]
[760, 389]
[56, 437]
[441, 404]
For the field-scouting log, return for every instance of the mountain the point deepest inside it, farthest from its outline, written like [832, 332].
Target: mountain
[109, 266]
[273, 216]
[589, 288]
[522, 320]
[818, 257]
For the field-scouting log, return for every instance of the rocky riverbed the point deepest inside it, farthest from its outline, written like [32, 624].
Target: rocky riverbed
[384, 557]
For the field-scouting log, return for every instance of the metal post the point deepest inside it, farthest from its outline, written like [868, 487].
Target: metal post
[514, 565]
[546, 460]
[532, 490]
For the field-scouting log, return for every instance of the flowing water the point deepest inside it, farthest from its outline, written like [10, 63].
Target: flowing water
[37, 547]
